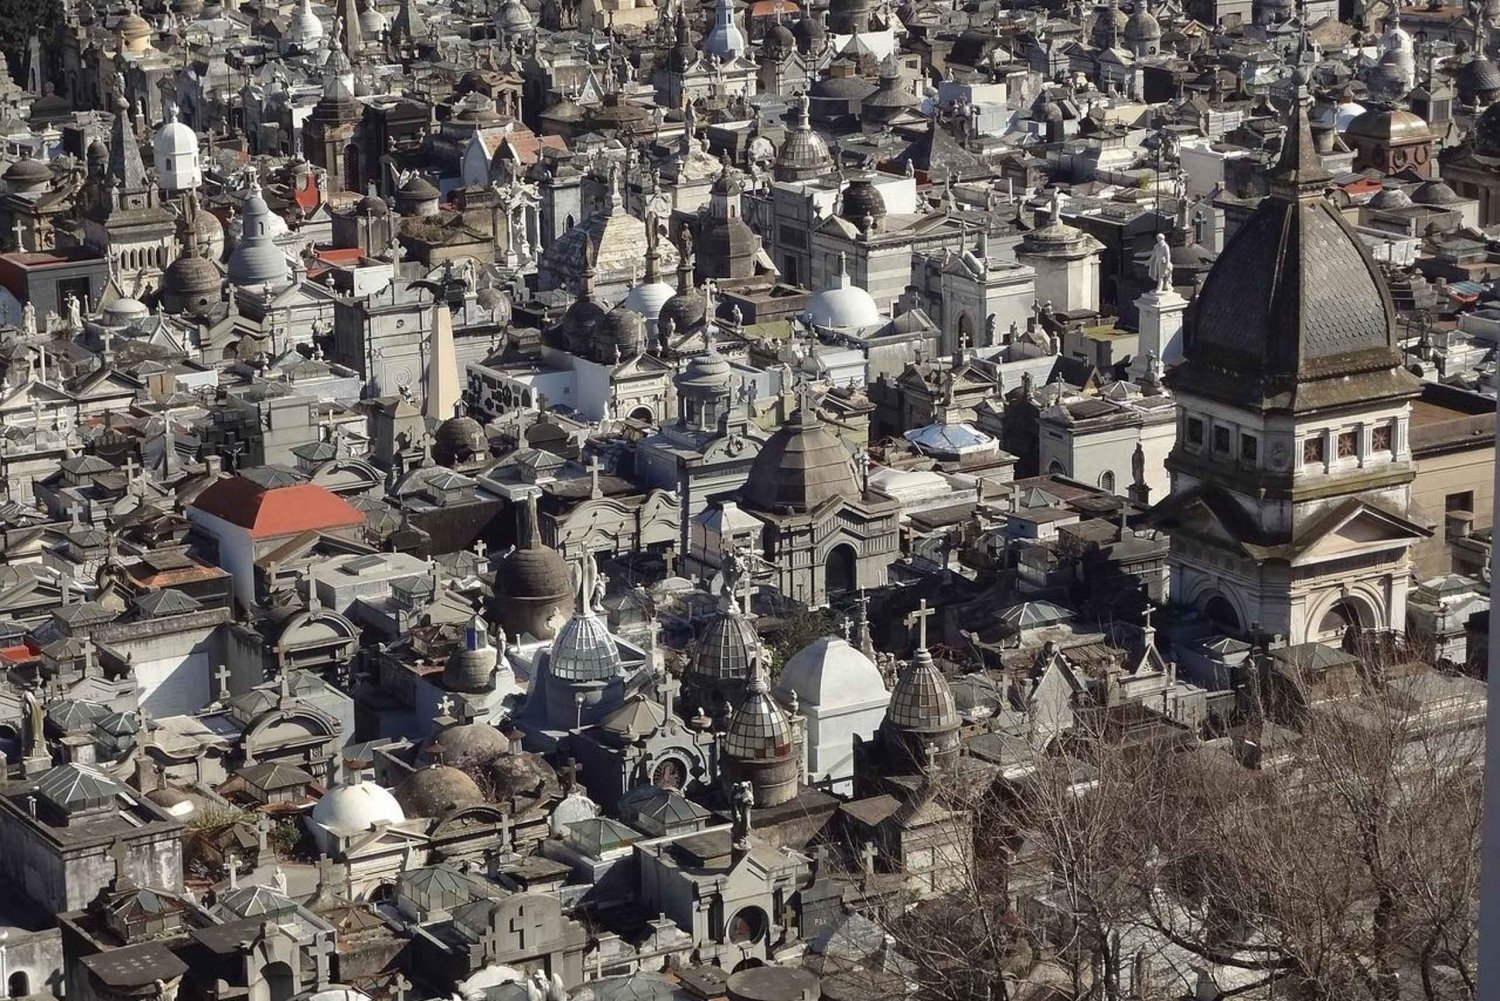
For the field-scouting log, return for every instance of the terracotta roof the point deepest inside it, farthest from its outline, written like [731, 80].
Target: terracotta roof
[281, 510]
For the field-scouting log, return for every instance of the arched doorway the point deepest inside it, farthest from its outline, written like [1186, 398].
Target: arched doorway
[965, 330]
[643, 414]
[839, 569]
[1055, 468]
[19, 984]
[1221, 613]
[1344, 620]
[281, 985]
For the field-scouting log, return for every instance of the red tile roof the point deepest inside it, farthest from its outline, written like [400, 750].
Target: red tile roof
[268, 511]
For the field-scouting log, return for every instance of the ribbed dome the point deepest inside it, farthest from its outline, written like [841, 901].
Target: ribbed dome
[27, 172]
[622, 332]
[1478, 80]
[647, 298]
[459, 439]
[437, 790]
[584, 650]
[800, 467]
[1142, 26]
[1387, 125]
[727, 248]
[862, 201]
[372, 23]
[514, 18]
[727, 648]
[759, 729]
[191, 284]
[922, 700]
[1294, 297]
[779, 41]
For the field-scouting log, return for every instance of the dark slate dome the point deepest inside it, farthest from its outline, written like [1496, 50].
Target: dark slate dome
[1295, 304]
[726, 249]
[1478, 81]
[779, 41]
[458, 439]
[685, 311]
[622, 330]
[802, 466]
[1435, 194]
[190, 284]
[861, 201]
[809, 33]
[580, 326]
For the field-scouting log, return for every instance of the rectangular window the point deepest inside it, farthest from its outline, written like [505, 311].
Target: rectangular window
[1380, 438]
[1459, 502]
[1194, 431]
[1348, 444]
[1312, 449]
[1249, 447]
[1221, 440]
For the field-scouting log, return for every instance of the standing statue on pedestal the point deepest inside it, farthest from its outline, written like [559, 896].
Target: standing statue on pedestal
[1160, 266]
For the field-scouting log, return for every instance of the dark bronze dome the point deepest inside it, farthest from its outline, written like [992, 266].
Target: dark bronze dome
[459, 439]
[802, 466]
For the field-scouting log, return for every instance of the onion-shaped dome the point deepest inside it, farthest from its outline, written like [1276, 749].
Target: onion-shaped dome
[459, 439]
[842, 305]
[725, 40]
[800, 467]
[437, 790]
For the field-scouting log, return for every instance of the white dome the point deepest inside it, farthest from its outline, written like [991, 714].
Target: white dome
[842, 306]
[829, 673]
[306, 30]
[1346, 113]
[347, 810]
[175, 151]
[372, 22]
[647, 299]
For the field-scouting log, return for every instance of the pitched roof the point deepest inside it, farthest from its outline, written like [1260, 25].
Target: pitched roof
[276, 510]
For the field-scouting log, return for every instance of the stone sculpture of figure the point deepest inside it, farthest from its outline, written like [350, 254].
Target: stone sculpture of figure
[1160, 266]
[741, 800]
[1138, 465]
[31, 737]
[28, 318]
[991, 324]
[74, 319]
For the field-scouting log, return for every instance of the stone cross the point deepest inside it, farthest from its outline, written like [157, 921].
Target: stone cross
[118, 852]
[445, 705]
[222, 675]
[400, 985]
[919, 619]
[492, 941]
[232, 863]
[593, 468]
[869, 853]
[322, 948]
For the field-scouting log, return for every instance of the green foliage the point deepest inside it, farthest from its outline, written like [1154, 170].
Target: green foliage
[19, 20]
[788, 635]
[215, 818]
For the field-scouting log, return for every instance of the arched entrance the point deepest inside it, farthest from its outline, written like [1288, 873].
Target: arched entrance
[643, 414]
[281, 985]
[1344, 620]
[1221, 613]
[19, 984]
[839, 569]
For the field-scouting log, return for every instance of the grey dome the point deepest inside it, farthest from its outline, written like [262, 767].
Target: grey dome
[459, 439]
[437, 790]
[256, 259]
[759, 729]
[471, 667]
[802, 466]
[727, 649]
[584, 650]
[467, 744]
[1435, 193]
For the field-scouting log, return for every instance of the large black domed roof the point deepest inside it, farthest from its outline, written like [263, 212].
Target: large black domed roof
[1294, 300]
[802, 466]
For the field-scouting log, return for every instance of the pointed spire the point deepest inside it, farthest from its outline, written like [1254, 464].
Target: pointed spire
[125, 163]
[350, 38]
[1300, 172]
